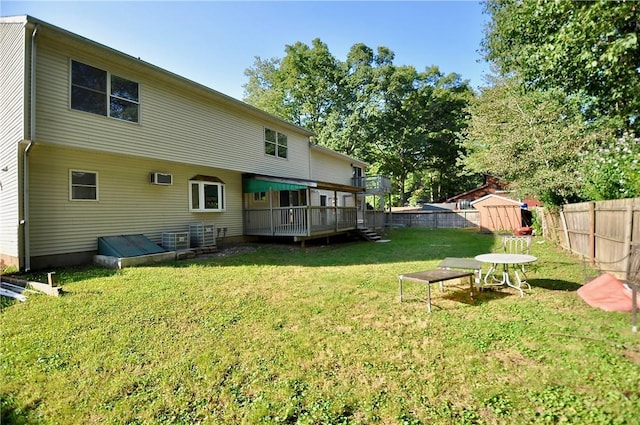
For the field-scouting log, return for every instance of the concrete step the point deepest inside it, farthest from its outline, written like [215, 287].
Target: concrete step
[369, 235]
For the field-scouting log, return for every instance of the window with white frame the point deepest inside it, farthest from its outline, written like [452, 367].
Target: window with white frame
[275, 143]
[83, 185]
[260, 196]
[357, 176]
[99, 92]
[206, 194]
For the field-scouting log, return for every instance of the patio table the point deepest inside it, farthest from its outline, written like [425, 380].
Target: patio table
[506, 260]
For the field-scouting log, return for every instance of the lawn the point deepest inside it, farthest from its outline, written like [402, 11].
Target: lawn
[284, 334]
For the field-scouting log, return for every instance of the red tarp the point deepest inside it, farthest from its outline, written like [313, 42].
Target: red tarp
[608, 293]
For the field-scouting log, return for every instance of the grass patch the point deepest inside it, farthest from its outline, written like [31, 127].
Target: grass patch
[282, 334]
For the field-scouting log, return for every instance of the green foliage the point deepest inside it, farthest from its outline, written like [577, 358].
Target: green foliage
[536, 223]
[401, 121]
[417, 125]
[576, 65]
[612, 170]
[282, 334]
[5, 269]
[585, 48]
[532, 139]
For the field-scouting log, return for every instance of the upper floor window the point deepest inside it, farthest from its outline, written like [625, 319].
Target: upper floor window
[100, 92]
[83, 185]
[275, 143]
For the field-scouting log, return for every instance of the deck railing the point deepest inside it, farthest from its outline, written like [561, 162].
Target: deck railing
[373, 184]
[299, 221]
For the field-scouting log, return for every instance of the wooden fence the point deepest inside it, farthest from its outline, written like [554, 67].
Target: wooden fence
[436, 219]
[601, 232]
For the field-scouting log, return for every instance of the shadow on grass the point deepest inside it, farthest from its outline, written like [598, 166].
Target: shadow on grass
[479, 297]
[12, 414]
[406, 245]
[6, 302]
[554, 284]
[457, 295]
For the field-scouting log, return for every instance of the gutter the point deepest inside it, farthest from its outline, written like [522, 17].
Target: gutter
[25, 159]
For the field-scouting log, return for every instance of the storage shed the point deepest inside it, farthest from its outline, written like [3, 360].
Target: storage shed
[498, 213]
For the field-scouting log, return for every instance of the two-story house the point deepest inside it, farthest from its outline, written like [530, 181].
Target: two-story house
[95, 142]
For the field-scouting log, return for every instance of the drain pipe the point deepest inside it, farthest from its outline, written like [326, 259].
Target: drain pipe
[25, 161]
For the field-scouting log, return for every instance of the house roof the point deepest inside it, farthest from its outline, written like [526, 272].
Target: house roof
[491, 195]
[490, 181]
[136, 62]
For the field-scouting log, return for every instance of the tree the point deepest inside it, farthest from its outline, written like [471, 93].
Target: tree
[299, 88]
[589, 49]
[417, 125]
[265, 92]
[533, 139]
[349, 125]
[397, 119]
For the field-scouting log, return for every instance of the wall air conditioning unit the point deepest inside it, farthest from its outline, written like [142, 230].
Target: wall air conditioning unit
[161, 179]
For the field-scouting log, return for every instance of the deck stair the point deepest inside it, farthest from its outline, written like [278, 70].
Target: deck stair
[368, 234]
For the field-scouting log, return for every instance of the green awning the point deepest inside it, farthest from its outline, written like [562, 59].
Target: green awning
[256, 185]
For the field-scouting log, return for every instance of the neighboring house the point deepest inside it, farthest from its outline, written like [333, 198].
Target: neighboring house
[498, 210]
[96, 143]
[491, 185]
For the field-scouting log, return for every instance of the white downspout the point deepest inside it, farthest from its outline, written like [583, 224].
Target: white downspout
[25, 164]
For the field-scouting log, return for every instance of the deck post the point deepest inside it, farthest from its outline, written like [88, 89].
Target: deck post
[271, 211]
[308, 212]
[335, 211]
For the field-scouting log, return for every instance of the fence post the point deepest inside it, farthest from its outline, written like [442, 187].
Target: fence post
[592, 233]
[565, 230]
[628, 221]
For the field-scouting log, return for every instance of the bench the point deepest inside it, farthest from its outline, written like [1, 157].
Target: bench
[433, 276]
[464, 264]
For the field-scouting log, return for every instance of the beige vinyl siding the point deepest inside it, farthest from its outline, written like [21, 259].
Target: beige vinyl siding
[330, 168]
[176, 123]
[12, 130]
[128, 203]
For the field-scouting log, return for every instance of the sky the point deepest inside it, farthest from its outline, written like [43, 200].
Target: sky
[214, 42]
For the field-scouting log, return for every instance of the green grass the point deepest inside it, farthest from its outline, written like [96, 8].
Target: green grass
[283, 334]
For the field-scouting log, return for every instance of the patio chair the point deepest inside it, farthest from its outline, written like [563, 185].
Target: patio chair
[517, 245]
[454, 263]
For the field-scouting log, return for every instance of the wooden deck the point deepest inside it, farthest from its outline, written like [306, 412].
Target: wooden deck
[304, 221]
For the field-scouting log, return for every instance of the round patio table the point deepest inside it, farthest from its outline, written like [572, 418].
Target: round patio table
[506, 260]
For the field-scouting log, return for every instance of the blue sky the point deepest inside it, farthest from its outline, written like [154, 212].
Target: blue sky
[213, 42]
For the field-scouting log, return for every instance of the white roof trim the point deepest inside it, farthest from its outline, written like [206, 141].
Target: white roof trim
[18, 19]
[492, 195]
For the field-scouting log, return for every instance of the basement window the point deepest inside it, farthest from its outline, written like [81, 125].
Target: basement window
[83, 185]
